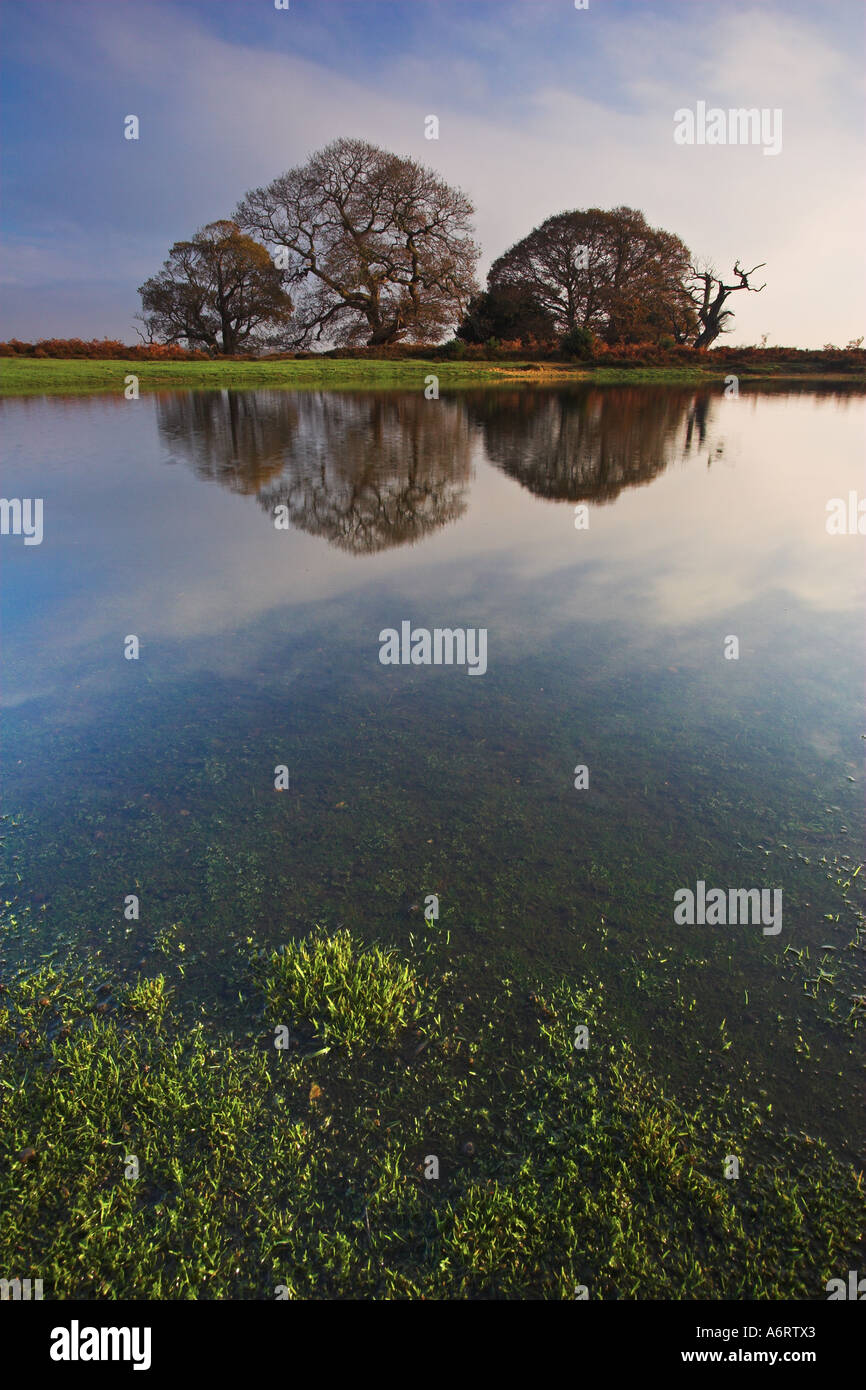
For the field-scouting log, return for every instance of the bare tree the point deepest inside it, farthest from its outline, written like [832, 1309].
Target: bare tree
[220, 291]
[709, 293]
[378, 247]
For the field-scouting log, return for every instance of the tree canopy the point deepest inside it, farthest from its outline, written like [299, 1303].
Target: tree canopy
[362, 246]
[219, 291]
[376, 247]
[609, 272]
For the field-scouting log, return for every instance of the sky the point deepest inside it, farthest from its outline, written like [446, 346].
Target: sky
[541, 107]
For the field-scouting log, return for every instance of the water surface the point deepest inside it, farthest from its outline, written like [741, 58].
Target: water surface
[259, 647]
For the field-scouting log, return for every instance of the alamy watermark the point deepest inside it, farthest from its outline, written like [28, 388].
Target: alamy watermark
[736, 126]
[22, 516]
[855, 1288]
[444, 646]
[20, 1290]
[847, 520]
[720, 907]
[77, 1343]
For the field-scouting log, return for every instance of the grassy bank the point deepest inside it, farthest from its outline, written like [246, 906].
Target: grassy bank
[306, 1170]
[27, 376]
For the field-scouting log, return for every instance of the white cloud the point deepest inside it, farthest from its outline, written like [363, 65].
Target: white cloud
[219, 117]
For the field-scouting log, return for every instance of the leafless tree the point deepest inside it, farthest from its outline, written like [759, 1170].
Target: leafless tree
[377, 247]
[709, 293]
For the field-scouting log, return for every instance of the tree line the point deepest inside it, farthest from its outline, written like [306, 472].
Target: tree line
[360, 246]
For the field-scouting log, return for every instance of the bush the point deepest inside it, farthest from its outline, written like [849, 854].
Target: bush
[455, 349]
[579, 342]
[101, 349]
[508, 314]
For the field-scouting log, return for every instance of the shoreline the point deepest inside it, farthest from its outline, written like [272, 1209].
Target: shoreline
[88, 376]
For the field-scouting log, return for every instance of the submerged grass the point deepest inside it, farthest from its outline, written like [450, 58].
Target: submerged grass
[350, 995]
[481, 1157]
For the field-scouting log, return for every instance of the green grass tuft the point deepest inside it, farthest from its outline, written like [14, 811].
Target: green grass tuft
[351, 995]
[149, 998]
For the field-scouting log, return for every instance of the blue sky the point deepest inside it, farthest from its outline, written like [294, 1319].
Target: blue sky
[541, 107]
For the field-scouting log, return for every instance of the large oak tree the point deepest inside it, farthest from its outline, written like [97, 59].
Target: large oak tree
[376, 247]
[609, 272]
[219, 291]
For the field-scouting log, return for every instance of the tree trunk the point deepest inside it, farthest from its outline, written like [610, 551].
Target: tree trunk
[384, 334]
[229, 338]
[707, 335]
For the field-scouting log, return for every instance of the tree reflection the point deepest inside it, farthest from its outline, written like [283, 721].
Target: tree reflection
[368, 471]
[239, 439]
[365, 471]
[588, 443]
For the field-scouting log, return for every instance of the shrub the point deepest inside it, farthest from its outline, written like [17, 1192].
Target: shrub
[579, 342]
[101, 349]
[509, 314]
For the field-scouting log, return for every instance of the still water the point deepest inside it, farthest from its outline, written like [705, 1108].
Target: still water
[610, 542]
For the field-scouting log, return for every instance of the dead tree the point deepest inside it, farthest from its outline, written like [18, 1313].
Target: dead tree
[709, 292]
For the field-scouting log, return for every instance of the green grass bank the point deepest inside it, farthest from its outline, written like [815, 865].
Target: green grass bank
[27, 376]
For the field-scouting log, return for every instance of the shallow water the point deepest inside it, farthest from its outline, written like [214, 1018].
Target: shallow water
[260, 647]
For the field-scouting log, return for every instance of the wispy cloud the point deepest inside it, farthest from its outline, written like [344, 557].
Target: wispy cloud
[541, 111]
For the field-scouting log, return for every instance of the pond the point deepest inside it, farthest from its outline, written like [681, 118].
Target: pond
[670, 700]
